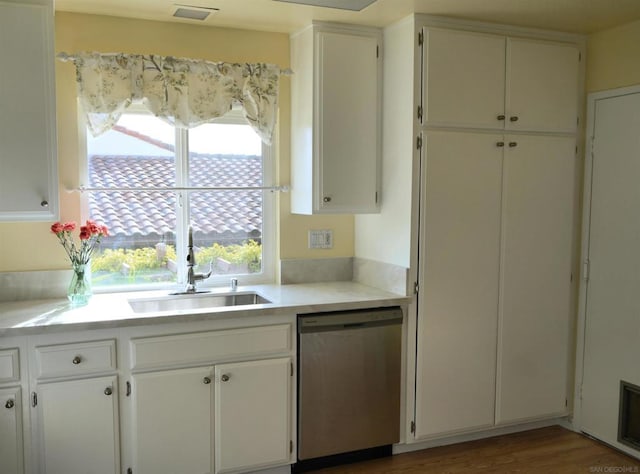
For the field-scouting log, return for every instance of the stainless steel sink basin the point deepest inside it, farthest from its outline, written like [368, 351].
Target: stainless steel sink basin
[195, 301]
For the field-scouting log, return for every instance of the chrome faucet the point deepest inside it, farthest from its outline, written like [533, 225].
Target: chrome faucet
[192, 276]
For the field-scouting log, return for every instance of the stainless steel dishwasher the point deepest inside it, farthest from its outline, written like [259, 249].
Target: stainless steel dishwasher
[349, 381]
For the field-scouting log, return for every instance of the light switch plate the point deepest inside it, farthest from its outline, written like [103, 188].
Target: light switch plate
[320, 239]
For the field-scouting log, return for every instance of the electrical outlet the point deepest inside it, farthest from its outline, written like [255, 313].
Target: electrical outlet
[320, 239]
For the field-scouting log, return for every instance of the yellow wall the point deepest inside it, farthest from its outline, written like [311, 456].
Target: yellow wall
[30, 246]
[613, 58]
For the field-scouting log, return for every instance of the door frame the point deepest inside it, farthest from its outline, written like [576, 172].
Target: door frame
[592, 100]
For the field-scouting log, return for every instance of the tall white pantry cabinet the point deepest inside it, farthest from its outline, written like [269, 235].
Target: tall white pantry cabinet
[494, 138]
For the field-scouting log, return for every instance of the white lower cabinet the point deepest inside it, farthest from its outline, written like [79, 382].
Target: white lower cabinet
[176, 430]
[252, 414]
[11, 446]
[78, 426]
[173, 421]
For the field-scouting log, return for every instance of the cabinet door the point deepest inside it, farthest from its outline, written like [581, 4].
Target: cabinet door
[347, 117]
[542, 86]
[28, 183]
[463, 79]
[533, 350]
[172, 422]
[458, 298]
[11, 446]
[79, 426]
[253, 414]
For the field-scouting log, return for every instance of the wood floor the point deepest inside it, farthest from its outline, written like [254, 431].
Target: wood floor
[552, 450]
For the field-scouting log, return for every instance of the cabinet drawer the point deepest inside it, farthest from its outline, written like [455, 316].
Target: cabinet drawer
[9, 366]
[207, 347]
[76, 359]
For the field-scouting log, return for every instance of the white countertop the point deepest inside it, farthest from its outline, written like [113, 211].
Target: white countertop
[113, 310]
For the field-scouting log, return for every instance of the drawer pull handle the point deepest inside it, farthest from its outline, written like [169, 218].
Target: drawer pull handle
[10, 404]
[225, 377]
[326, 199]
[76, 360]
[206, 380]
[108, 391]
[513, 144]
[500, 117]
[500, 144]
[514, 118]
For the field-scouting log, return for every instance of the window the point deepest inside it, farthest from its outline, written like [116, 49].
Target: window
[149, 182]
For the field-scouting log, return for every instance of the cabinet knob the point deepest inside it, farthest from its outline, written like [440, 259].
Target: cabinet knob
[108, 391]
[10, 404]
[500, 117]
[326, 199]
[513, 118]
[206, 380]
[500, 144]
[513, 144]
[76, 360]
[44, 203]
[225, 377]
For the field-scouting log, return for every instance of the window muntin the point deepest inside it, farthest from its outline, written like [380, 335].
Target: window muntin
[148, 226]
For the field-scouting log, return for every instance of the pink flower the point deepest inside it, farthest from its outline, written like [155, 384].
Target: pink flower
[104, 231]
[85, 233]
[57, 228]
[69, 226]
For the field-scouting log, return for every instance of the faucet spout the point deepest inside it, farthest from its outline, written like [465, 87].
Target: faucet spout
[192, 276]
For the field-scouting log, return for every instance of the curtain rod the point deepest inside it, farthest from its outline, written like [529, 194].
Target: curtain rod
[87, 189]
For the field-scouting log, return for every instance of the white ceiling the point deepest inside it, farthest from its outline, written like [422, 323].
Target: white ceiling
[576, 16]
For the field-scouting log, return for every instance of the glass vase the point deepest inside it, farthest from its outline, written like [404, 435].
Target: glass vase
[79, 290]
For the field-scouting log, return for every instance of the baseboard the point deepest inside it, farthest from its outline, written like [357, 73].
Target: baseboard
[498, 431]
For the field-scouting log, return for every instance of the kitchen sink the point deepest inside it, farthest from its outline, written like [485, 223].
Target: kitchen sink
[195, 301]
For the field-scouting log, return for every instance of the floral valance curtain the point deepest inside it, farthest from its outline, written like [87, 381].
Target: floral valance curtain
[184, 92]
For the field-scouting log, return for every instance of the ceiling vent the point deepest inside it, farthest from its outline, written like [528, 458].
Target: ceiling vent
[192, 12]
[355, 5]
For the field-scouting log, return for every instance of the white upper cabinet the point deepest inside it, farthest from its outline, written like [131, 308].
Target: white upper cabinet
[336, 120]
[488, 81]
[542, 85]
[29, 179]
[464, 78]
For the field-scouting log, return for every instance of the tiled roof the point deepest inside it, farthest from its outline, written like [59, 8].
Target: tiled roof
[150, 215]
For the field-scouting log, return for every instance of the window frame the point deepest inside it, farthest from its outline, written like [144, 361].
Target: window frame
[269, 209]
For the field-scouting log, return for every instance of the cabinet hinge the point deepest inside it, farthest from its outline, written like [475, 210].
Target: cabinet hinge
[421, 38]
[419, 142]
[376, 197]
[586, 268]
[128, 392]
[576, 150]
[34, 399]
[416, 288]
[577, 120]
[566, 402]
[290, 445]
[291, 367]
[129, 471]
[579, 56]
[377, 51]
[420, 113]
[413, 427]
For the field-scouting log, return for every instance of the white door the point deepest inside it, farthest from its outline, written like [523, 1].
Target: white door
[173, 422]
[542, 86]
[464, 79]
[458, 297]
[253, 414]
[348, 119]
[611, 348]
[79, 426]
[535, 310]
[11, 457]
